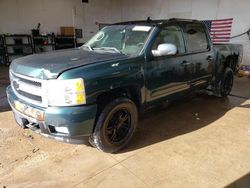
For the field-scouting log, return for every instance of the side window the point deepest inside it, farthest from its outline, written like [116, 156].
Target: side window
[171, 35]
[196, 38]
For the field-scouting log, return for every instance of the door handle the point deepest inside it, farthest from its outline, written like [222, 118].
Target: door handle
[209, 58]
[185, 62]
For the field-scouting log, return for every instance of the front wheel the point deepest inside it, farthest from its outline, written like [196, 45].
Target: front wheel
[115, 126]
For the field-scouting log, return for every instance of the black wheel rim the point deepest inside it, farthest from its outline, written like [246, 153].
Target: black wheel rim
[119, 125]
[228, 83]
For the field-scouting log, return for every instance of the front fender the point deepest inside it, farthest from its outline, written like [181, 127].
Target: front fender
[102, 77]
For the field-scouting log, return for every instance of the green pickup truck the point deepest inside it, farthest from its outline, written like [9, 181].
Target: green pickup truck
[98, 90]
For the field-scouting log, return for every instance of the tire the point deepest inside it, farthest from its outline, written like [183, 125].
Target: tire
[115, 126]
[226, 83]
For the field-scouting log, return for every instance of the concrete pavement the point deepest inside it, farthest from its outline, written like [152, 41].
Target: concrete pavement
[197, 142]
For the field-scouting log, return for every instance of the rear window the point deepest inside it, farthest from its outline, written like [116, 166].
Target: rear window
[196, 38]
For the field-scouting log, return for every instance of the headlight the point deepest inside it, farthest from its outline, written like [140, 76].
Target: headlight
[66, 92]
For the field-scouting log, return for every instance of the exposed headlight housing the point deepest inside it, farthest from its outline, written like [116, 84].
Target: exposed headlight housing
[65, 92]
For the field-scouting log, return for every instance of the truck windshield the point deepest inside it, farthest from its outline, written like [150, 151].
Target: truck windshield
[126, 39]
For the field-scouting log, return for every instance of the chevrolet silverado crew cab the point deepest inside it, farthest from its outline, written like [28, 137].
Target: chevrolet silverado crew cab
[98, 90]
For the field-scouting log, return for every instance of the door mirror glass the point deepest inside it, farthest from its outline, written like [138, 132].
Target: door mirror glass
[165, 49]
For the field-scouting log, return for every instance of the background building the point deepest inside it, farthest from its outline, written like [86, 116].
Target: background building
[52, 14]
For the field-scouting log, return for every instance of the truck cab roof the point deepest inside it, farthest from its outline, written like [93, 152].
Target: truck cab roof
[161, 22]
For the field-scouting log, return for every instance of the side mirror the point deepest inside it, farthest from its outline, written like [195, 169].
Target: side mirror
[165, 49]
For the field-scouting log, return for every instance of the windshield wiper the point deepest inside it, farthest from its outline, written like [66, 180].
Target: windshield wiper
[88, 47]
[108, 48]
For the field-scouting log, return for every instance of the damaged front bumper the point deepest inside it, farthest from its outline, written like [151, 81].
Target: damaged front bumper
[67, 124]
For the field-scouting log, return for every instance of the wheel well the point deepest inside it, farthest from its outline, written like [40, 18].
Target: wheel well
[131, 92]
[231, 62]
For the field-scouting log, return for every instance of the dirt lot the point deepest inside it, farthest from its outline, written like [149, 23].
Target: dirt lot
[199, 142]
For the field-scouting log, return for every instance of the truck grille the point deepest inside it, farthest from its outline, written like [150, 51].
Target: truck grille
[27, 88]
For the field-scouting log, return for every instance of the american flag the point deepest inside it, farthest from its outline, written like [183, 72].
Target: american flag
[220, 30]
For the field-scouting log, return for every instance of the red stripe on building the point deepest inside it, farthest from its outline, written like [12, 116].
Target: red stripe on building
[222, 23]
[219, 41]
[220, 34]
[220, 30]
[221, 27]
[215, 38]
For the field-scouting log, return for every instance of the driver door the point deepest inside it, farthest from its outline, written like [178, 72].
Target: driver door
[168, 75]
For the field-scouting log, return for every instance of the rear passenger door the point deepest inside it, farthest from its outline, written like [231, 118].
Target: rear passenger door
[197, 42]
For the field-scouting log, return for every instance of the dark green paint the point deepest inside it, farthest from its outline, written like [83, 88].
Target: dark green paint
[157, 78]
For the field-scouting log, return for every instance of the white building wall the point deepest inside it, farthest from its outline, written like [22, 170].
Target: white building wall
[101, 11]
[195, 9]
[20, 16]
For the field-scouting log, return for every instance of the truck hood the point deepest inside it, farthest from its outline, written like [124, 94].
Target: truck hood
[49, 65]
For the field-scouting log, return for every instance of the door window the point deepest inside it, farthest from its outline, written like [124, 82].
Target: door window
[171, 35]
[196, 38]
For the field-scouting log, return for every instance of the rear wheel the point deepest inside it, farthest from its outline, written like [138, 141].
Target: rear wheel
[226, 83]
[115, 126]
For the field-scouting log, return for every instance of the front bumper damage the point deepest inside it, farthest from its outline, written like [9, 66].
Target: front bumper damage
[78, 121]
